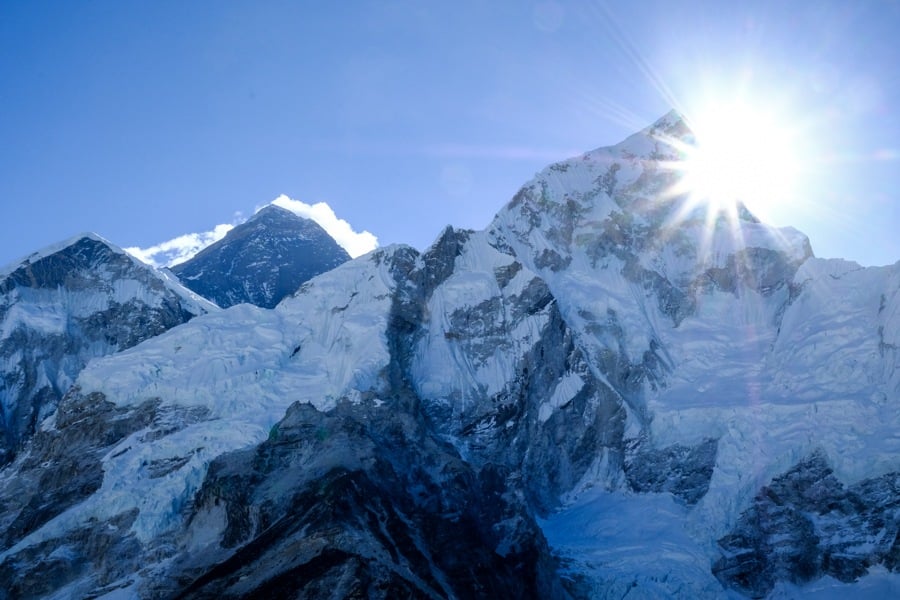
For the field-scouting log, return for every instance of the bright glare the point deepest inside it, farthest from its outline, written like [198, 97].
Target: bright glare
[741, 154]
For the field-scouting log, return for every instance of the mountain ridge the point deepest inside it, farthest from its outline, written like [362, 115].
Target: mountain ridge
[589, 390]
[68, 303]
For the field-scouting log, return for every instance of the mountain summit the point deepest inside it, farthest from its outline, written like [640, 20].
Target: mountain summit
[262, 260]
[64, 305]
[605, 393]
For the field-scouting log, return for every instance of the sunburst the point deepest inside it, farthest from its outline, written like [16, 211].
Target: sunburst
[740, 155]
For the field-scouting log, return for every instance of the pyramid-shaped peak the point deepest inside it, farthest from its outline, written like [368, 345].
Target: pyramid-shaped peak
[273, 211]
[671, 127]
[262, 260]
[84, 239]
[671, 119]
[272, 217]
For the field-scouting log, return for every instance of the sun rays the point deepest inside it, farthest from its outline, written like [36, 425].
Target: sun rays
[735, 160]
[741, 155]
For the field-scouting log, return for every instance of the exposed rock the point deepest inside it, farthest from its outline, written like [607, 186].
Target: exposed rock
[439, 260]
[806, 524]
[361, 502]
[103, 552]
[758, 269]
[683, 471]
[262, 261]
[429, 413]
[61, 468]
[59, 309]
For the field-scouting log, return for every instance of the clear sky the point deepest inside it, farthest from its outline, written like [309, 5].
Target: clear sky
[143, 121]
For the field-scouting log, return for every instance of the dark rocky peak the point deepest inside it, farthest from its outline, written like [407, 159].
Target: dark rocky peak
[262, 260]
[64, 305]
[89, 264]
[272, 216]
[85, 255]
[440, 258]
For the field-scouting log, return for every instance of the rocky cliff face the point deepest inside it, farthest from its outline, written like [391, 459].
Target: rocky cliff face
[261, 261]
[806, 524]
[255, 490]
[604, 393]
[64, 306]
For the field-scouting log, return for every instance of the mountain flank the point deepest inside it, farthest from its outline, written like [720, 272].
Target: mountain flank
[605, 393]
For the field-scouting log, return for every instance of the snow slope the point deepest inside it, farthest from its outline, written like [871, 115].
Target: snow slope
[66, 304]
[751, 341]
[240, 369]
[692, 406]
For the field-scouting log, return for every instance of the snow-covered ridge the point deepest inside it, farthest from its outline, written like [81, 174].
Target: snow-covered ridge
[241, 368]
[738, 333]
[53, 249]
[65, 305]
[199, 303]
[605, 358]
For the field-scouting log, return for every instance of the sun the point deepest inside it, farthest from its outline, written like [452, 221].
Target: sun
[741, 155]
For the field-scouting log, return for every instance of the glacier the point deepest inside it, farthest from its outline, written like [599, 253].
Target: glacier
[604, 393]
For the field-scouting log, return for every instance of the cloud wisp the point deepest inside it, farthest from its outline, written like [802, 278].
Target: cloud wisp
[184, 247]
[356, 243]
[180, 249]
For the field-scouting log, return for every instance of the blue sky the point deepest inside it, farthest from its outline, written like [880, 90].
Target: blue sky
[143, 121]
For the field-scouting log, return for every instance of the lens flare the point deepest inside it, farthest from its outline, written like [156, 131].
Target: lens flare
[740, 155]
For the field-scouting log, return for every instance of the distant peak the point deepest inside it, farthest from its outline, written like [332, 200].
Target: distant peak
[276, 218]
[270, 211]
[262, 260]
[59, 247]
[85, 236]
[79, 251]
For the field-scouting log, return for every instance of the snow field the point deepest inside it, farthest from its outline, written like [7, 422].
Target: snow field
[243, 367]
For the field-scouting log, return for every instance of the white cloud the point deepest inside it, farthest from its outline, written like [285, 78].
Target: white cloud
[355, 243]
[180, 249]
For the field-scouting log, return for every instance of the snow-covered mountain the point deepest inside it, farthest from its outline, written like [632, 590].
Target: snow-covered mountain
[262, 260]
[65, 305]
[600, 395]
